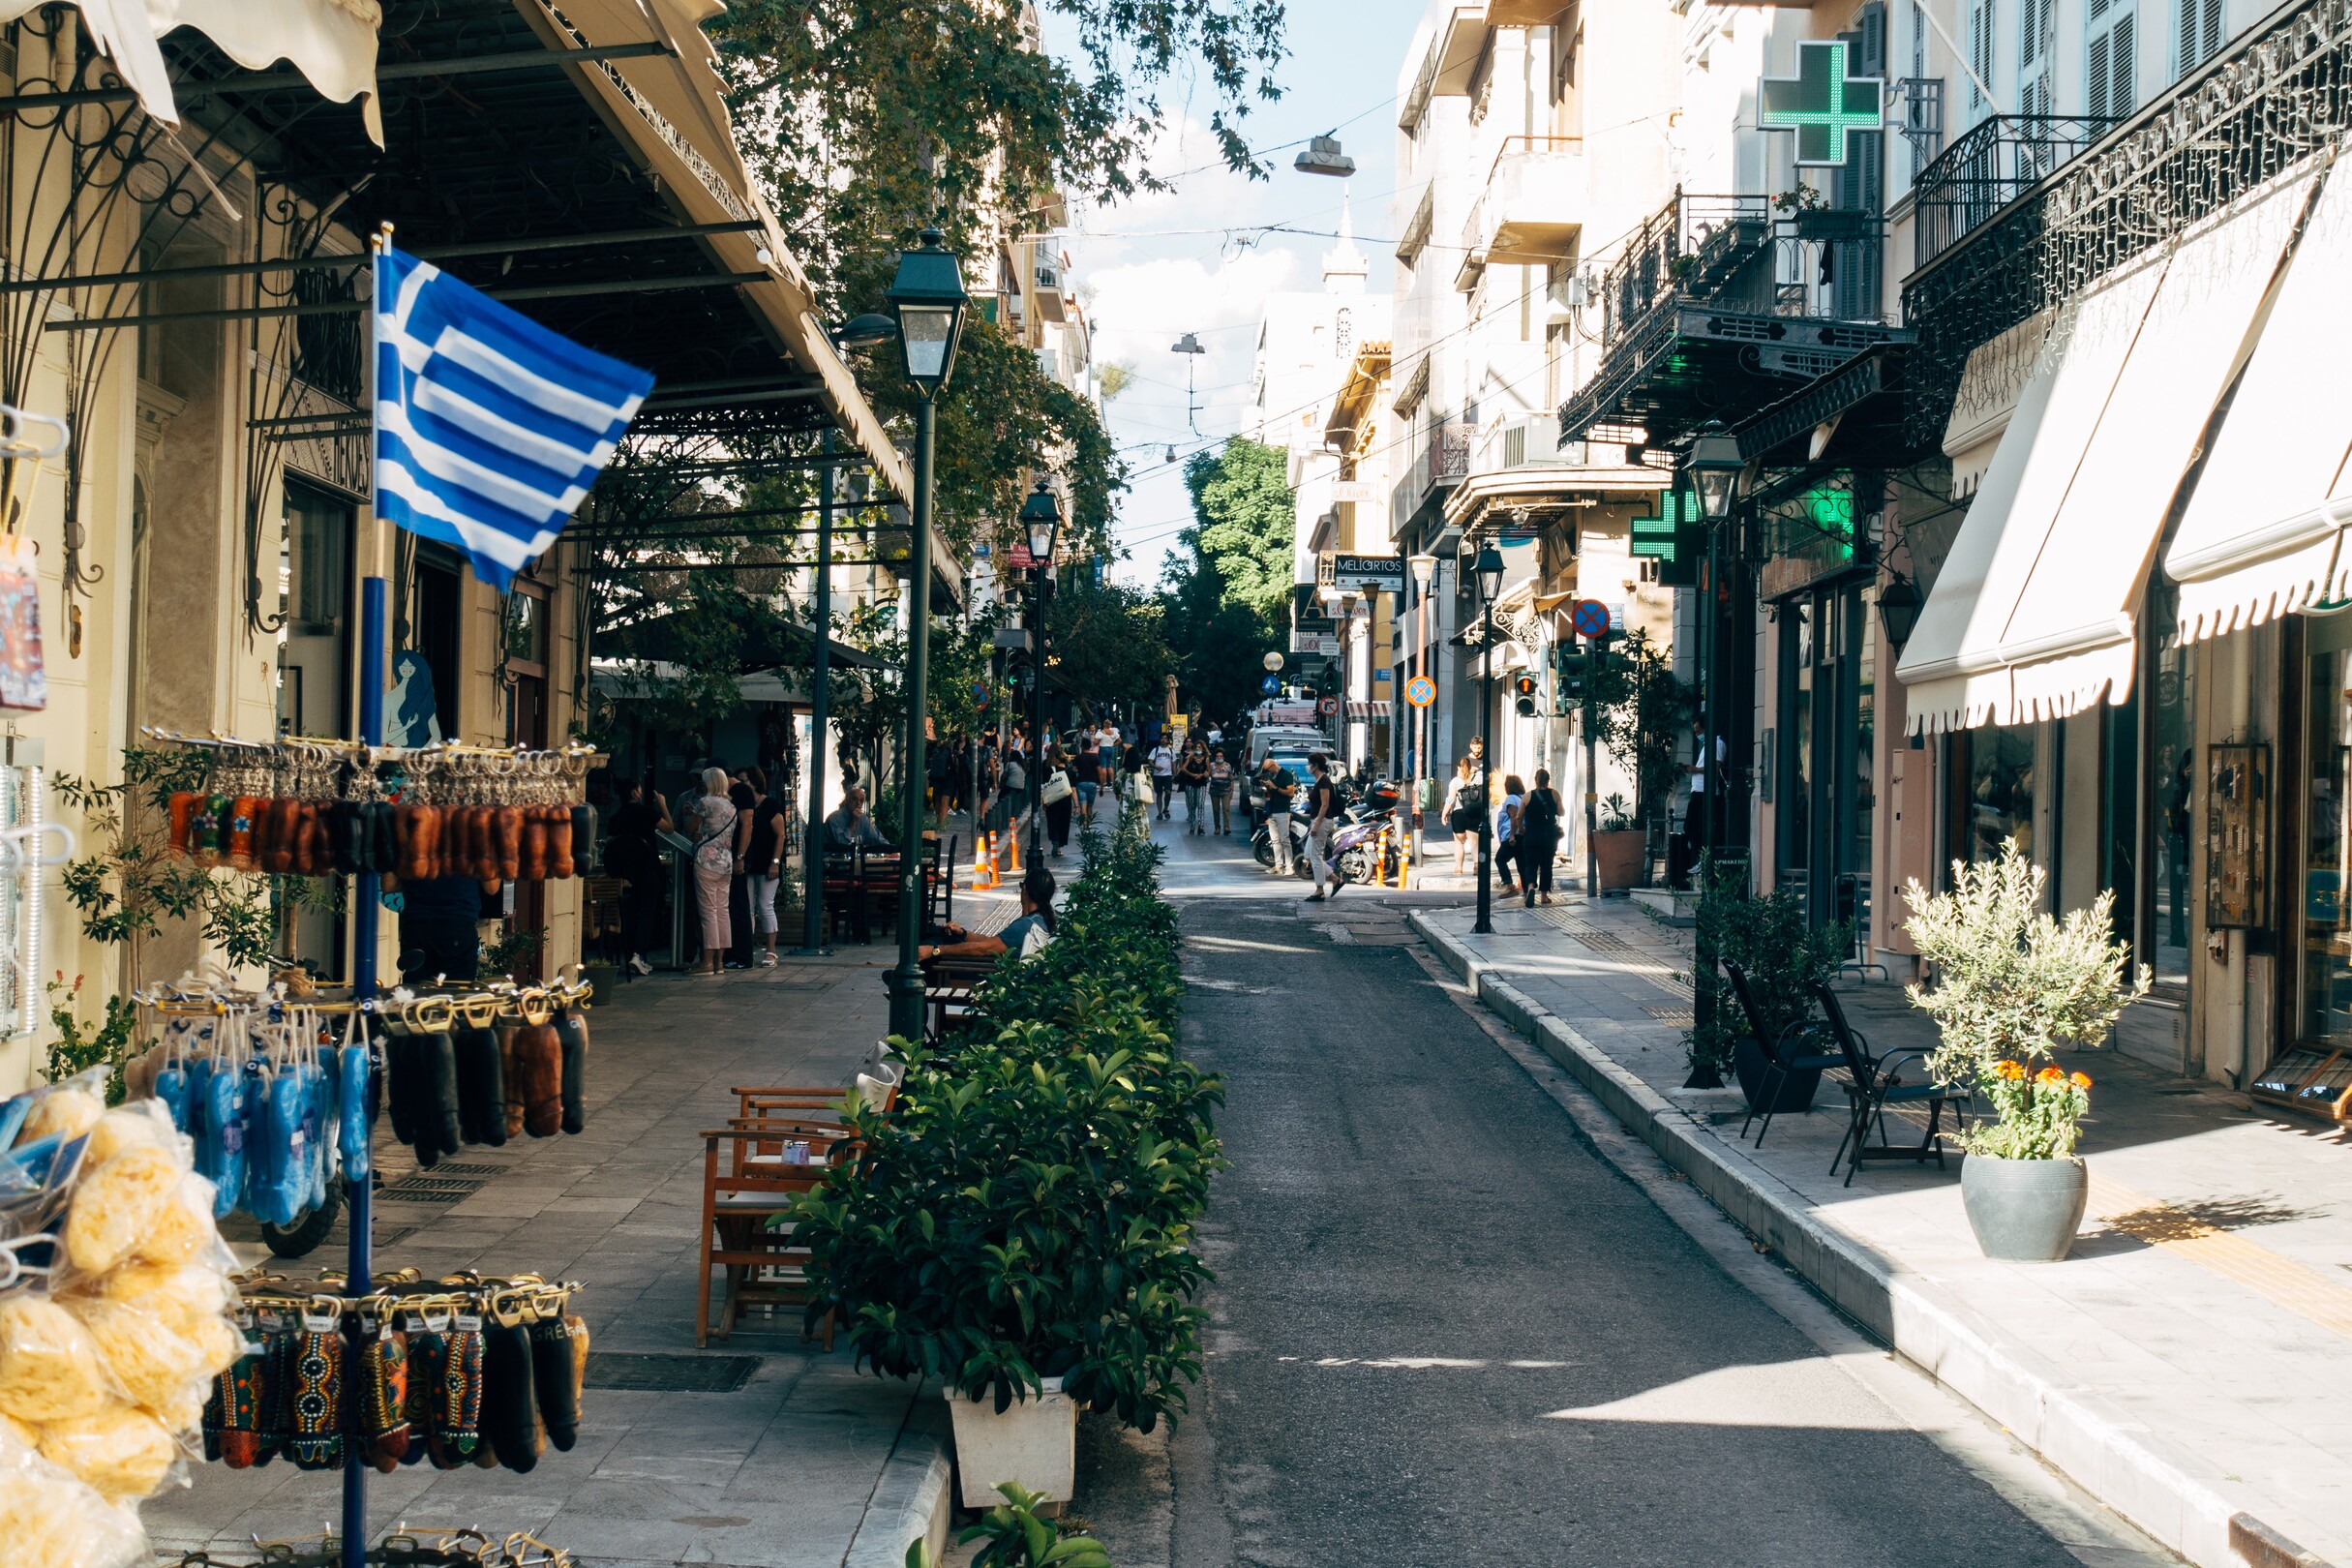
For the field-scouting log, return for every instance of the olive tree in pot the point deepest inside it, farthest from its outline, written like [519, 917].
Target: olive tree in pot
[2011, 985]
[1766, 935]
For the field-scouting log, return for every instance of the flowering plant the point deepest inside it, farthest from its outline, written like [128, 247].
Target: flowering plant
[2040, 1114]
[2011, 985]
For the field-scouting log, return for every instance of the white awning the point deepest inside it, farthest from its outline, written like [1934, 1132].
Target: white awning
[1990, 386]
[2260, 535]
[2140, 363]
[332, 43]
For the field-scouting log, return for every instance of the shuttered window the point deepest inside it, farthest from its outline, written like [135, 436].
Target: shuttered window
[2113, 90]
[2200, 33]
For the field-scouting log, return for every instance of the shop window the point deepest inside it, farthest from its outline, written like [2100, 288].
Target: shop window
[313, 610]
[1795, 788]
[2327, 850]
[1992, 792]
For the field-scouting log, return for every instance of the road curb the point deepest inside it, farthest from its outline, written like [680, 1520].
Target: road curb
[912, 1500]
[2165, 1492]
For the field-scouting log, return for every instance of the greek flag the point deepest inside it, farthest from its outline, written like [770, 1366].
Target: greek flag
[489, 428]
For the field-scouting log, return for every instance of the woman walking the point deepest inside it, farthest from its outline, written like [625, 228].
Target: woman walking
[1057, 795]
[1461, 811]
[1506, 828]
[713, 820]
[1220, 791]
[1086, 774]
[1192, 777]
[1539, 836]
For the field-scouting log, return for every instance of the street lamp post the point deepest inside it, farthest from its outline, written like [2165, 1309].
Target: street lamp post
[1041, 517]
[1424, 568]
[1488, 573]
[1714, 464]
[927, 297]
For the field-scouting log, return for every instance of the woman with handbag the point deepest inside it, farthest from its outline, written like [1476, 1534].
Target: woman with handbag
[1461, 811]
[1057, 795]
[713, 819]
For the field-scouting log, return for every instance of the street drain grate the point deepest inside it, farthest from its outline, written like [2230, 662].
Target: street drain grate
[1672, 1016]
[669, 1373]
[448, 1170]
[423, 1188]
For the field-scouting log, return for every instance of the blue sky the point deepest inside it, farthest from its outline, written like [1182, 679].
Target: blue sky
[1198, 259]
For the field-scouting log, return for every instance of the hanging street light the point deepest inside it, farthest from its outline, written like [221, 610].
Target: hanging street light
[927, 297]
[1324, 156]
[1899, 605]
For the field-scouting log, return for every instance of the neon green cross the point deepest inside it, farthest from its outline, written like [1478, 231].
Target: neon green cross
[1823, 102]
[1658, 535]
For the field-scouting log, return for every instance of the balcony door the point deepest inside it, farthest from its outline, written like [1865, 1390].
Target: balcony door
[2111, 57]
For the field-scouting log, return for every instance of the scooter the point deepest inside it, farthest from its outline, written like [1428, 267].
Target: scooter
[1261, 844]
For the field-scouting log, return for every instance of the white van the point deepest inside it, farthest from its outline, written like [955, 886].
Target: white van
[1298, 738]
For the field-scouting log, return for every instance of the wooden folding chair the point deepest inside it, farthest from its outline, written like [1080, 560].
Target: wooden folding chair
[749, 1177]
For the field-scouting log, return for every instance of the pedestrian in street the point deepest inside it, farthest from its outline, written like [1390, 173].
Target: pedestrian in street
[1276, 785]
[1164, 776]
[1539, 838]
[1221, 791]
[1506, 828]
[1056, 794]
[1086, 774]
[1192, 777]
[1323, 801]
[747, 801]
[764, 864]
[633, 854]
[1462, 810]
[712, 822]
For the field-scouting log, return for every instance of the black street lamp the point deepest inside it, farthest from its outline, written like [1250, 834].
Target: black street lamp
[1715, 464]
[1041, 517]
[928, 300]
[1487, 573]
[1899, 605]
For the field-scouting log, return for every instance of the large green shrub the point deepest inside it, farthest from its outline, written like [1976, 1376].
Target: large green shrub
[1026, 1209]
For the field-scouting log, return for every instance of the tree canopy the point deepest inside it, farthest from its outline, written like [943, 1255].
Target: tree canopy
[1227, 589]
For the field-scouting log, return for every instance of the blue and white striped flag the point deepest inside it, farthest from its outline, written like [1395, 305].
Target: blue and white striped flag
[489, 428]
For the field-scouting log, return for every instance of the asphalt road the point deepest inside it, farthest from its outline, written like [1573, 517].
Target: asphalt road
[1449, 1328]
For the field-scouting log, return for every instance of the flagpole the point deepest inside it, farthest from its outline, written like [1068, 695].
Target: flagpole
[365, 907]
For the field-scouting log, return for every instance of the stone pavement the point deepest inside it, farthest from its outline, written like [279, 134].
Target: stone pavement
[806, 1462]
[2190, 1364]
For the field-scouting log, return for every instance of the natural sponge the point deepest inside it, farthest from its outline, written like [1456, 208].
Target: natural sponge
[121, 1452]
[48, 1519]
[117, 1205]
[48, 1368]
[70, 1112]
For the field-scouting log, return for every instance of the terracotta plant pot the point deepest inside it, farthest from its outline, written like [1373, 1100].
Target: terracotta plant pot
[1032, 1441]
[1618, 857]
[2024, 1210]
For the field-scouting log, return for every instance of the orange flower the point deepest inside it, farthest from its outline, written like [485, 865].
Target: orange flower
[2010, 1070]
[2080, 1080]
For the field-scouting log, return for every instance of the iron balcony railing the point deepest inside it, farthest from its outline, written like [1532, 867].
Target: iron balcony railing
[1741, 254]
[1443, 459]
[1986, 168]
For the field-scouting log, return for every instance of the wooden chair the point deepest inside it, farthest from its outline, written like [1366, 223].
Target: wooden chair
[950, 991]
[748, 1179]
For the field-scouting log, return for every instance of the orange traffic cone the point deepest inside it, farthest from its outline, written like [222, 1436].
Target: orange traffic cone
[1013, 852]
[983, 863]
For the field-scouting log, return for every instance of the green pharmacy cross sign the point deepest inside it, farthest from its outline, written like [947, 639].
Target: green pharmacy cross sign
[1823, 104]
[1675, 536]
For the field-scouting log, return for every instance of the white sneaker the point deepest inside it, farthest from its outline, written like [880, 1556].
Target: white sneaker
[638, 964]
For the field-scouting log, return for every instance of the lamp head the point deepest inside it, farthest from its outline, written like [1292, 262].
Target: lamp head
[1489, 569]
[1715, 465]
[1899, 605]
[1424, 567]
[1042, 518]
[929, 298]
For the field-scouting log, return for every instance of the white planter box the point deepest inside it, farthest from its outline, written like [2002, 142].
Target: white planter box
[1034, 1442]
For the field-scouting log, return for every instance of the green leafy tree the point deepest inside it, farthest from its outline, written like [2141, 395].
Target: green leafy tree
[1247, 528]
[1107, 645]
[1644, 711]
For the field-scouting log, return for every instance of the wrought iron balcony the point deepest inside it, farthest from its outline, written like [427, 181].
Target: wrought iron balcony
[1737, 253]
[1986, 168]
[1444, 459]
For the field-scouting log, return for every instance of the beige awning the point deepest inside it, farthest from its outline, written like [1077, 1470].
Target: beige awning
[2262, 535]
[332, 43]
[2143, 360]
[1990, 386]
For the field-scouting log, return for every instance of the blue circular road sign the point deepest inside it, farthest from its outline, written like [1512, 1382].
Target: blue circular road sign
[1591, 618]
[1272, 685]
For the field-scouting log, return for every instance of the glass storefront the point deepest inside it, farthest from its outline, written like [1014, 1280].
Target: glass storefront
[1992, 792]
[2172, 757]
[2318, 1072]
[1826, 728]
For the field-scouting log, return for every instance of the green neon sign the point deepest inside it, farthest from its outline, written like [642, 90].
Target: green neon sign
[1823, 104]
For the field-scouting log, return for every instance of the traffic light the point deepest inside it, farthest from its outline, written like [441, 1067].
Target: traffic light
[1570, 663]
[1526, 686]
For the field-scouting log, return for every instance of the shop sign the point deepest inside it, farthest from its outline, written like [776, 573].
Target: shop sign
[1383, 573]
[1821, 103]
[2238, 836]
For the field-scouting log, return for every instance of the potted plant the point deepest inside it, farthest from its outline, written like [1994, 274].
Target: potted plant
[2011, 985]
[1617, 845]
[1783, 958]
[1018, 1227]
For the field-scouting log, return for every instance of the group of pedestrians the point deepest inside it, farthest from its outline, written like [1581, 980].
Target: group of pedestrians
[739, 832]
[1530, 825]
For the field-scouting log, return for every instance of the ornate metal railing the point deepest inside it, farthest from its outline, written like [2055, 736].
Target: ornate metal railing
[1742, 254]
[2281, 93]
[1989, 166]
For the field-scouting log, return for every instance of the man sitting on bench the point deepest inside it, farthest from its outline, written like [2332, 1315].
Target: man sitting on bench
[850, 828]
[1024, 938]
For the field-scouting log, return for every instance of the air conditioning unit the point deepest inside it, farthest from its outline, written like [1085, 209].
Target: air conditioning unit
[1534, 441]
